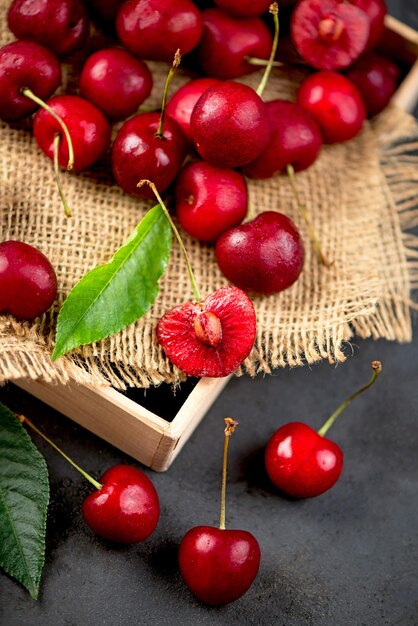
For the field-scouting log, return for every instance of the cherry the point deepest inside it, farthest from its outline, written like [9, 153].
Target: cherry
[244, 8]
[125, 507]
[88, 127]
[263, 256]
[182, 103]
[60, 25]
[210, 199]
[28, 284]
[211, 337]
[26, 65]
[219, 565]
[376, 11]
[376, 78]
[302, 462]
[329, 34]
[335, 103]
[154, 29]
[116, 82]
[228, 42]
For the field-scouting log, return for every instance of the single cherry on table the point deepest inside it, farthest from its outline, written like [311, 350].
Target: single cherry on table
[302, 462]
[219, 565]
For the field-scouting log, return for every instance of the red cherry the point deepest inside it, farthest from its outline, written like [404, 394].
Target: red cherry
[60, 25]
[375, 11]
[262, 256]
[302, 463]
[26, 64]
[154, 29]
[28, 284]
[227, 42]
[126, 509]
[182, 103]
[138, 152]
[116, 82]
[244, 8]
[210, 199]
[218, 566]
[295, 140]
[329, 34]
[230, 125]
[88, 128]
[335, 103]
[209, 338]
[376, 78]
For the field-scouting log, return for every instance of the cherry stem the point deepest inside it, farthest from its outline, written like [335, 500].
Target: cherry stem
[304, 214]
[274, 10]
[67, 209]
[262, 62]
[377, 368]
[29, 94]
[176, 63]
[176, 233]
[231, 425]
[27, 421]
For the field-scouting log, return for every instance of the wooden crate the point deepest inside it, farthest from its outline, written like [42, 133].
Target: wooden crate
[147, 437]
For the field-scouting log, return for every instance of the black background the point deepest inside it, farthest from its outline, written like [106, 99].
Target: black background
[348, 557]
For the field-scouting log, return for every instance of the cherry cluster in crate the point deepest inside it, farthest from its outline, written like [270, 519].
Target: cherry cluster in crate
[224, 122]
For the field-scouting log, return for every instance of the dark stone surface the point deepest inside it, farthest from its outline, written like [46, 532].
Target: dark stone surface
[349, 557]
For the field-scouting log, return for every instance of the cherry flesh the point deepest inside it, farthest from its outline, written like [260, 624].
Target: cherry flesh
[88, 128]
[182, 103]
[375, 11]
[28, 284]
[60, 25]
[210, 338]
[26, 64]
[263, 256]
[295, 140]
[329, 34]
[376, 78]
[126, 509]
[138, 152]
[335, 103]
[155, 29]
[116, 82]
[210, 200]
[217, 565]
[244, 8]
[227, 42]
[230, 125]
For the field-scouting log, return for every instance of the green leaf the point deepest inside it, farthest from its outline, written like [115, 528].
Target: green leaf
[24, 497]
[114, 295]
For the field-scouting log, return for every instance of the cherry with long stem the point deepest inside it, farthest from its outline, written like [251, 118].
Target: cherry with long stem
[231, 425]
[274, 10]
[174, 66]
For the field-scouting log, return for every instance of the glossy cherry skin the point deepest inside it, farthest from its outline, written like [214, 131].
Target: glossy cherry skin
[26, 64]
[155, 29]
[230, 125]
[181, 104]
[335, 103]
[301, 462]
[60, 25]
[116, 82]
[88, 128]
[227, 41]
[138, 153]
[126, 509]
[28, 284]
[376, 78]
[375, 11]
[295, 140]
[244, 8]
[218, 566]
[263, 256]
[210, 199]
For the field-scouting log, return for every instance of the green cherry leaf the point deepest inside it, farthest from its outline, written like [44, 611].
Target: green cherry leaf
[24, 497]
[114, 295]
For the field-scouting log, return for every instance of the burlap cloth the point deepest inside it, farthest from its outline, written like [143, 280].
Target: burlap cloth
[361, 197]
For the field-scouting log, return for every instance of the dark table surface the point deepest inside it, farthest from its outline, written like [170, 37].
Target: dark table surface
[349, 557]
